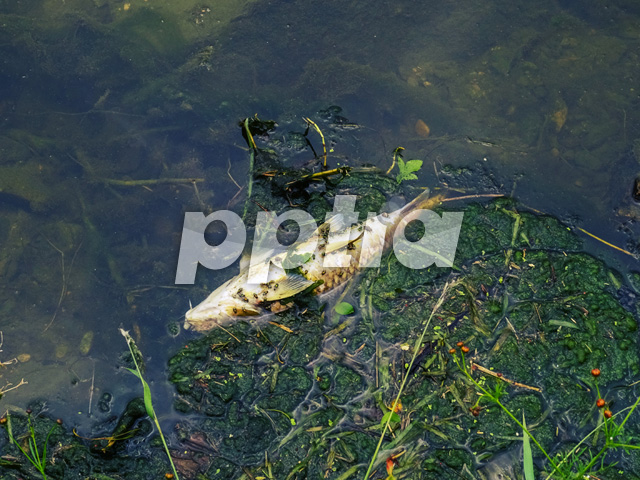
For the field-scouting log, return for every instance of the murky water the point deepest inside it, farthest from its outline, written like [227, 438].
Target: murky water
[116, 117]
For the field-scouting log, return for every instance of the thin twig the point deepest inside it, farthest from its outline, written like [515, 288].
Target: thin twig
[93, 376]
[65, 279]
[607, 243]
[4, 389]
[467, 197]
[229, 333]
[396, 154]
[324, 146]
[149, 181]
[486, 371]
[231, 176]
[416, 349]
[252, 157]
[4, 364]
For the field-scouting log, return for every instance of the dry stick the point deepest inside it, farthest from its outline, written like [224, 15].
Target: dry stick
[228, 333]
[65, 278]
[416, 349]
[396, 152]
[231, 176]
[151, 181]
[486, 371]
[240, 188]
[607, 243]
[93, 376]
[13, 360]
[335, 171]
[4, 389]
[467, 197]
[197, 193]
[594, 237]
[252, 156]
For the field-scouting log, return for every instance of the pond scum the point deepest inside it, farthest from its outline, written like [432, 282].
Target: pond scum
[306, 395]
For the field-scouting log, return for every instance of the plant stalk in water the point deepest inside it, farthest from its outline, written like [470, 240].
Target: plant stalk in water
[416, 349]
[38, 459]
[148, 405]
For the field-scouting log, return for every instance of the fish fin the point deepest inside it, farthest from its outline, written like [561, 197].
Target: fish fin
[290, 286]
[242, 311]
[339, 231]
[334, 224]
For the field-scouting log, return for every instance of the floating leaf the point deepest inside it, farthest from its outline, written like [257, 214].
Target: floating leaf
[344, 308]
[406, 169]
[394, 417]
[563, 323]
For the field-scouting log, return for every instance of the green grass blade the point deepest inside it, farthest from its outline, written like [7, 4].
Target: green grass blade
[527, 456]
[147, 394]
[148, 405]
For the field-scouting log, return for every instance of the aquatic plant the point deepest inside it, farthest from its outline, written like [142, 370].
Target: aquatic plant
[405, 169]
[148, 404]
[36, 457]
[574, 464]
[387, 418]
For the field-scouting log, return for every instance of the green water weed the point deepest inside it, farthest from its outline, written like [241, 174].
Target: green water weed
[148, 404]
[36, 457]
[577, 463]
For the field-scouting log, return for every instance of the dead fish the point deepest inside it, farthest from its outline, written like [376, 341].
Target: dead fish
[350, 247]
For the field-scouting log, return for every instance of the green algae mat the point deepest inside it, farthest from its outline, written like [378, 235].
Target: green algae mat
[307, 393]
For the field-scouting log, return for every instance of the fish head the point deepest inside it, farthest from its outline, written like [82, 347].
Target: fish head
[216, 311]
[204, 317]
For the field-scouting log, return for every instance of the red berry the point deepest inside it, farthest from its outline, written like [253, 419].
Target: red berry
[607, 413]
[452, 351]
[460, 344]
[600, 403]
[465, 349]
[595, 372]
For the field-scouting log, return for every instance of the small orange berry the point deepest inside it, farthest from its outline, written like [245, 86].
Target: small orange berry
[460, 344]
[595, 372]
[390, 465]
[600, 403]
[452, 351]
[168, 476]
[607, 413]
[3, 420]
[465, 349]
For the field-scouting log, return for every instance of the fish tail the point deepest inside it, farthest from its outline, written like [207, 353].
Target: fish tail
[421, 201]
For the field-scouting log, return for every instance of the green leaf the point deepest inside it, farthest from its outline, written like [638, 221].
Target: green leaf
[413, 165]
[527, 456]
[344, 308]
[405, 170]
[394, 417]
[293, 260]
[563, 323]
[148, 405]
